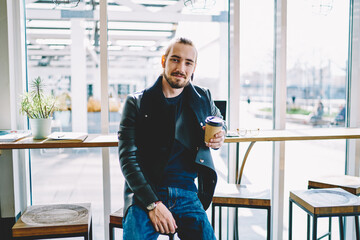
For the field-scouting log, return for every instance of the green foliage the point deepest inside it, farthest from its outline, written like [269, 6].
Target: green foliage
[267, 109]
[37, 104]
[290, 111]
[298, 111]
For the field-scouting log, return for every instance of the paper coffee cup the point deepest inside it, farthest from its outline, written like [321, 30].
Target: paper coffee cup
[213, 125]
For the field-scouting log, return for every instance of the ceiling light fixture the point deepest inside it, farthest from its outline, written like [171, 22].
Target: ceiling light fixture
[199, 5]
[67, 3]
[322, 7]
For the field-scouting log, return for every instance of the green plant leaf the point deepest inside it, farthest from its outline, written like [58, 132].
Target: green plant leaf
[37, 104]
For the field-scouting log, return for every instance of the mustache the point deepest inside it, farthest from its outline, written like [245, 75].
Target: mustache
[178, 73]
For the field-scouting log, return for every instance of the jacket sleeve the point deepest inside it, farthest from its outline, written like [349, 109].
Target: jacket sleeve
[214, 110]
[129, 159]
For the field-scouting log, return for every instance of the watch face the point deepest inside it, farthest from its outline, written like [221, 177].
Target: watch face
[151, 206]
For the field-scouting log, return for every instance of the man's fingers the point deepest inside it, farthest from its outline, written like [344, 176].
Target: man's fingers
[220, 134]
[217, 139]
[174, 222]
[156, 227]
[174, 226]
[169, 224]
[161, 228]
[165, 225]
[171, 228]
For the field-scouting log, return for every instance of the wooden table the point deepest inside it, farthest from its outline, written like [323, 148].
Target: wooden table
[291, 135]
[93, 140]
[299, 134]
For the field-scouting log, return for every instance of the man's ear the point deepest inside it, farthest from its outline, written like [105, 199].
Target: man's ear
[163, 59]
[192, 75]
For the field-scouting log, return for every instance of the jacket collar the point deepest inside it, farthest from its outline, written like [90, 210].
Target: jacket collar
[198, 102]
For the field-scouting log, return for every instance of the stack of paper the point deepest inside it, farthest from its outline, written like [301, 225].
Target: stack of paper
[66, 137]
[13, 135]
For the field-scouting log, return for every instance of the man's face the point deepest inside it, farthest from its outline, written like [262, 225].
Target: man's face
[179, 65]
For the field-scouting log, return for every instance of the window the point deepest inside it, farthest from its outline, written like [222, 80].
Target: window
[63, 49]
[317, 51]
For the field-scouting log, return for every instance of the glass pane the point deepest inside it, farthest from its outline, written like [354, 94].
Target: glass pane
[63, 49]
[256, 79]
[317, 50]
[136, 47]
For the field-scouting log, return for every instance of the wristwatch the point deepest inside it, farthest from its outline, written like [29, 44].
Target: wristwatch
[152, 206]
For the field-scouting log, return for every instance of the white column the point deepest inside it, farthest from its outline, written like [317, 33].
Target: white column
[78, 76]
[105, 114]
[353, 156]
[279, 114]
[13, 174]
[234, 96]
[234, 84]
[353, 146]
[223, 60]
[97, 84]
[5, 119]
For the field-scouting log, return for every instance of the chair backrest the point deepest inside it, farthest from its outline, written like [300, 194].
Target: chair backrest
[221, 105]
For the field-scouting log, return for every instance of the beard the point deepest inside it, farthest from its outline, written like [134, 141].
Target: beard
[174, 83]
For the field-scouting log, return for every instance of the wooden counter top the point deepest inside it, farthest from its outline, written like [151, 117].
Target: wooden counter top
[93, 140]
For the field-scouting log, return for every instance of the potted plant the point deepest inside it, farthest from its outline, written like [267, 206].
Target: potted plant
[38, 107]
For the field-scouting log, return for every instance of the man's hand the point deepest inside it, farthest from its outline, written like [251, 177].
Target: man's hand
[162, 219]
[217, 141]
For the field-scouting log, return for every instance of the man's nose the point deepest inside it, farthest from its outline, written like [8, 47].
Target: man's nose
[181, 67]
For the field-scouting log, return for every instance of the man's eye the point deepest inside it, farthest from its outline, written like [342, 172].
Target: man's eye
[189, 63]
[174, 60]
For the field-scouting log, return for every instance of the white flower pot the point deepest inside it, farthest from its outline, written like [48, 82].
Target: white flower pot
[40, 127]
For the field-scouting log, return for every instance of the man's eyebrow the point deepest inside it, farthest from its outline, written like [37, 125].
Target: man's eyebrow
[176, 56]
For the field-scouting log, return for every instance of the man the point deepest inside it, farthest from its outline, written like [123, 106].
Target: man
[162, 151]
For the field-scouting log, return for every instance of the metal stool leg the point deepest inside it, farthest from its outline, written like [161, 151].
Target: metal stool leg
[290, 219]
[111, 231]
[308, 224]
[220, 226]
[315, 227]
[91, 231]
[308, 227]
[357, 227]
[236, 225]
[268, 223]
[341, 225]
[330, 228]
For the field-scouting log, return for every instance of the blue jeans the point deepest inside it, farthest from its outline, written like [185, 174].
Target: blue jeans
[187, 210]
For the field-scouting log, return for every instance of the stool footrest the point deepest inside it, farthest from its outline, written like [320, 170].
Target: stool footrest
[325, 235]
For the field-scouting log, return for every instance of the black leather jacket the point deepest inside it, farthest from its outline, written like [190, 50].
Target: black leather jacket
[145, 139]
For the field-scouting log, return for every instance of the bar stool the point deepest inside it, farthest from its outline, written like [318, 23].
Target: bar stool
[241, 196]
[54, 221]
[116, 219]
[348, 183]
[330, 202]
